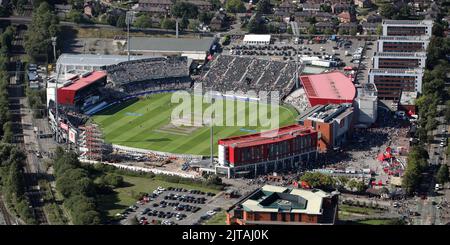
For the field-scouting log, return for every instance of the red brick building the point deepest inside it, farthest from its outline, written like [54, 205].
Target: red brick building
[275, 205]
[333, 122]
[253, 154]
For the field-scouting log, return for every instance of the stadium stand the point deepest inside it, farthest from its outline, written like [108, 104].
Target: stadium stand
[147, 69]
[232, 73]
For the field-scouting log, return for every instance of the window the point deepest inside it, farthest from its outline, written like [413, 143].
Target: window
[292, 217]
[273, 216]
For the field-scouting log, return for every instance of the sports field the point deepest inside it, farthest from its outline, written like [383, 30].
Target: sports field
[145, 123]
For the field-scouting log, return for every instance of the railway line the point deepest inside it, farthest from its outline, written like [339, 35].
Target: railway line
[32, 173]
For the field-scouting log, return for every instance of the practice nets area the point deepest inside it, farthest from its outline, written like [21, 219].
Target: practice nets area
[146, 124]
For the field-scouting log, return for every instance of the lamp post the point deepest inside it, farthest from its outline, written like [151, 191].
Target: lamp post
[54, 47]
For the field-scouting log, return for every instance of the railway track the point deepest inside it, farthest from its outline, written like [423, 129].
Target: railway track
[5, 213]
[31, 167]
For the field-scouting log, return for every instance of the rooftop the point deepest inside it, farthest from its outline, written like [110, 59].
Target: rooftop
[332, 85]
[270, 136]
[257, 38]
[84, 81]
[95, 60]
[404, 38]
[408, 98]
[401, 54]
[395, 71]
[408, 22]
[326, 113]
[282, 199]
[171, 44]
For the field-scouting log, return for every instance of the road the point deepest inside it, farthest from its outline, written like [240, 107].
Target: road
[25, 139]
[434, 209]
[27, 19]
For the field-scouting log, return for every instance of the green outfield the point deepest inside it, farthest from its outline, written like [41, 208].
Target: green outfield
[145, 123]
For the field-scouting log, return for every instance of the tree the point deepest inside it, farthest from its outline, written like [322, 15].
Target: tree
[328, 31]
[184, 9]
[216, 4]
[263, 7]
[4, 12]
[312, 29]
[44, 25]
[113, 180]
[387, 11]
[76, 16]
[256, 25]
[184, 23]
[194, 24]
[353, 31]
[325, 8]
[168, 24]
[379, 30]
[214, 179]
[442, 175]
[121, 21]
[235, 6]
[205, 17]
[143, 21]
[318, 180]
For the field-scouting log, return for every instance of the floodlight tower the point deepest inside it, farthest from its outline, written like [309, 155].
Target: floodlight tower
[128, 20]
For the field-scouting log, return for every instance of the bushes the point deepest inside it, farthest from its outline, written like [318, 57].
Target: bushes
[78, 189]
[13, 181]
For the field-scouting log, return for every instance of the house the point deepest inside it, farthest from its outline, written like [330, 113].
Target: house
[346, 17]
[338, 8]
[323, 16]
[167, 4]
[347, 27]
[311, 7]
[374, 18]
[323, 26]
[62, 10]
[363, 3]
[303, 26]
[370, 28]
[287, 6]
[88, 9]
[219, 22]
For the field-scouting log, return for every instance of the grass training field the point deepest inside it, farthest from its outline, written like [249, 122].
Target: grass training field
[145, 124]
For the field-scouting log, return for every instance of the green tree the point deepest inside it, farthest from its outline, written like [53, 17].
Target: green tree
[193, 24]
[263, 7]
[205, 17]
[387, 10]
[379, 30]
[256, 25]
[75, 16]
[121, 21]
[184, 9]
[184, 23]
[325, 8]
[318, 180]
[442, 175]
[143, 21]
[235, 6]
[168, 24]
[44, 25]
[312, 30]
[353, 31]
